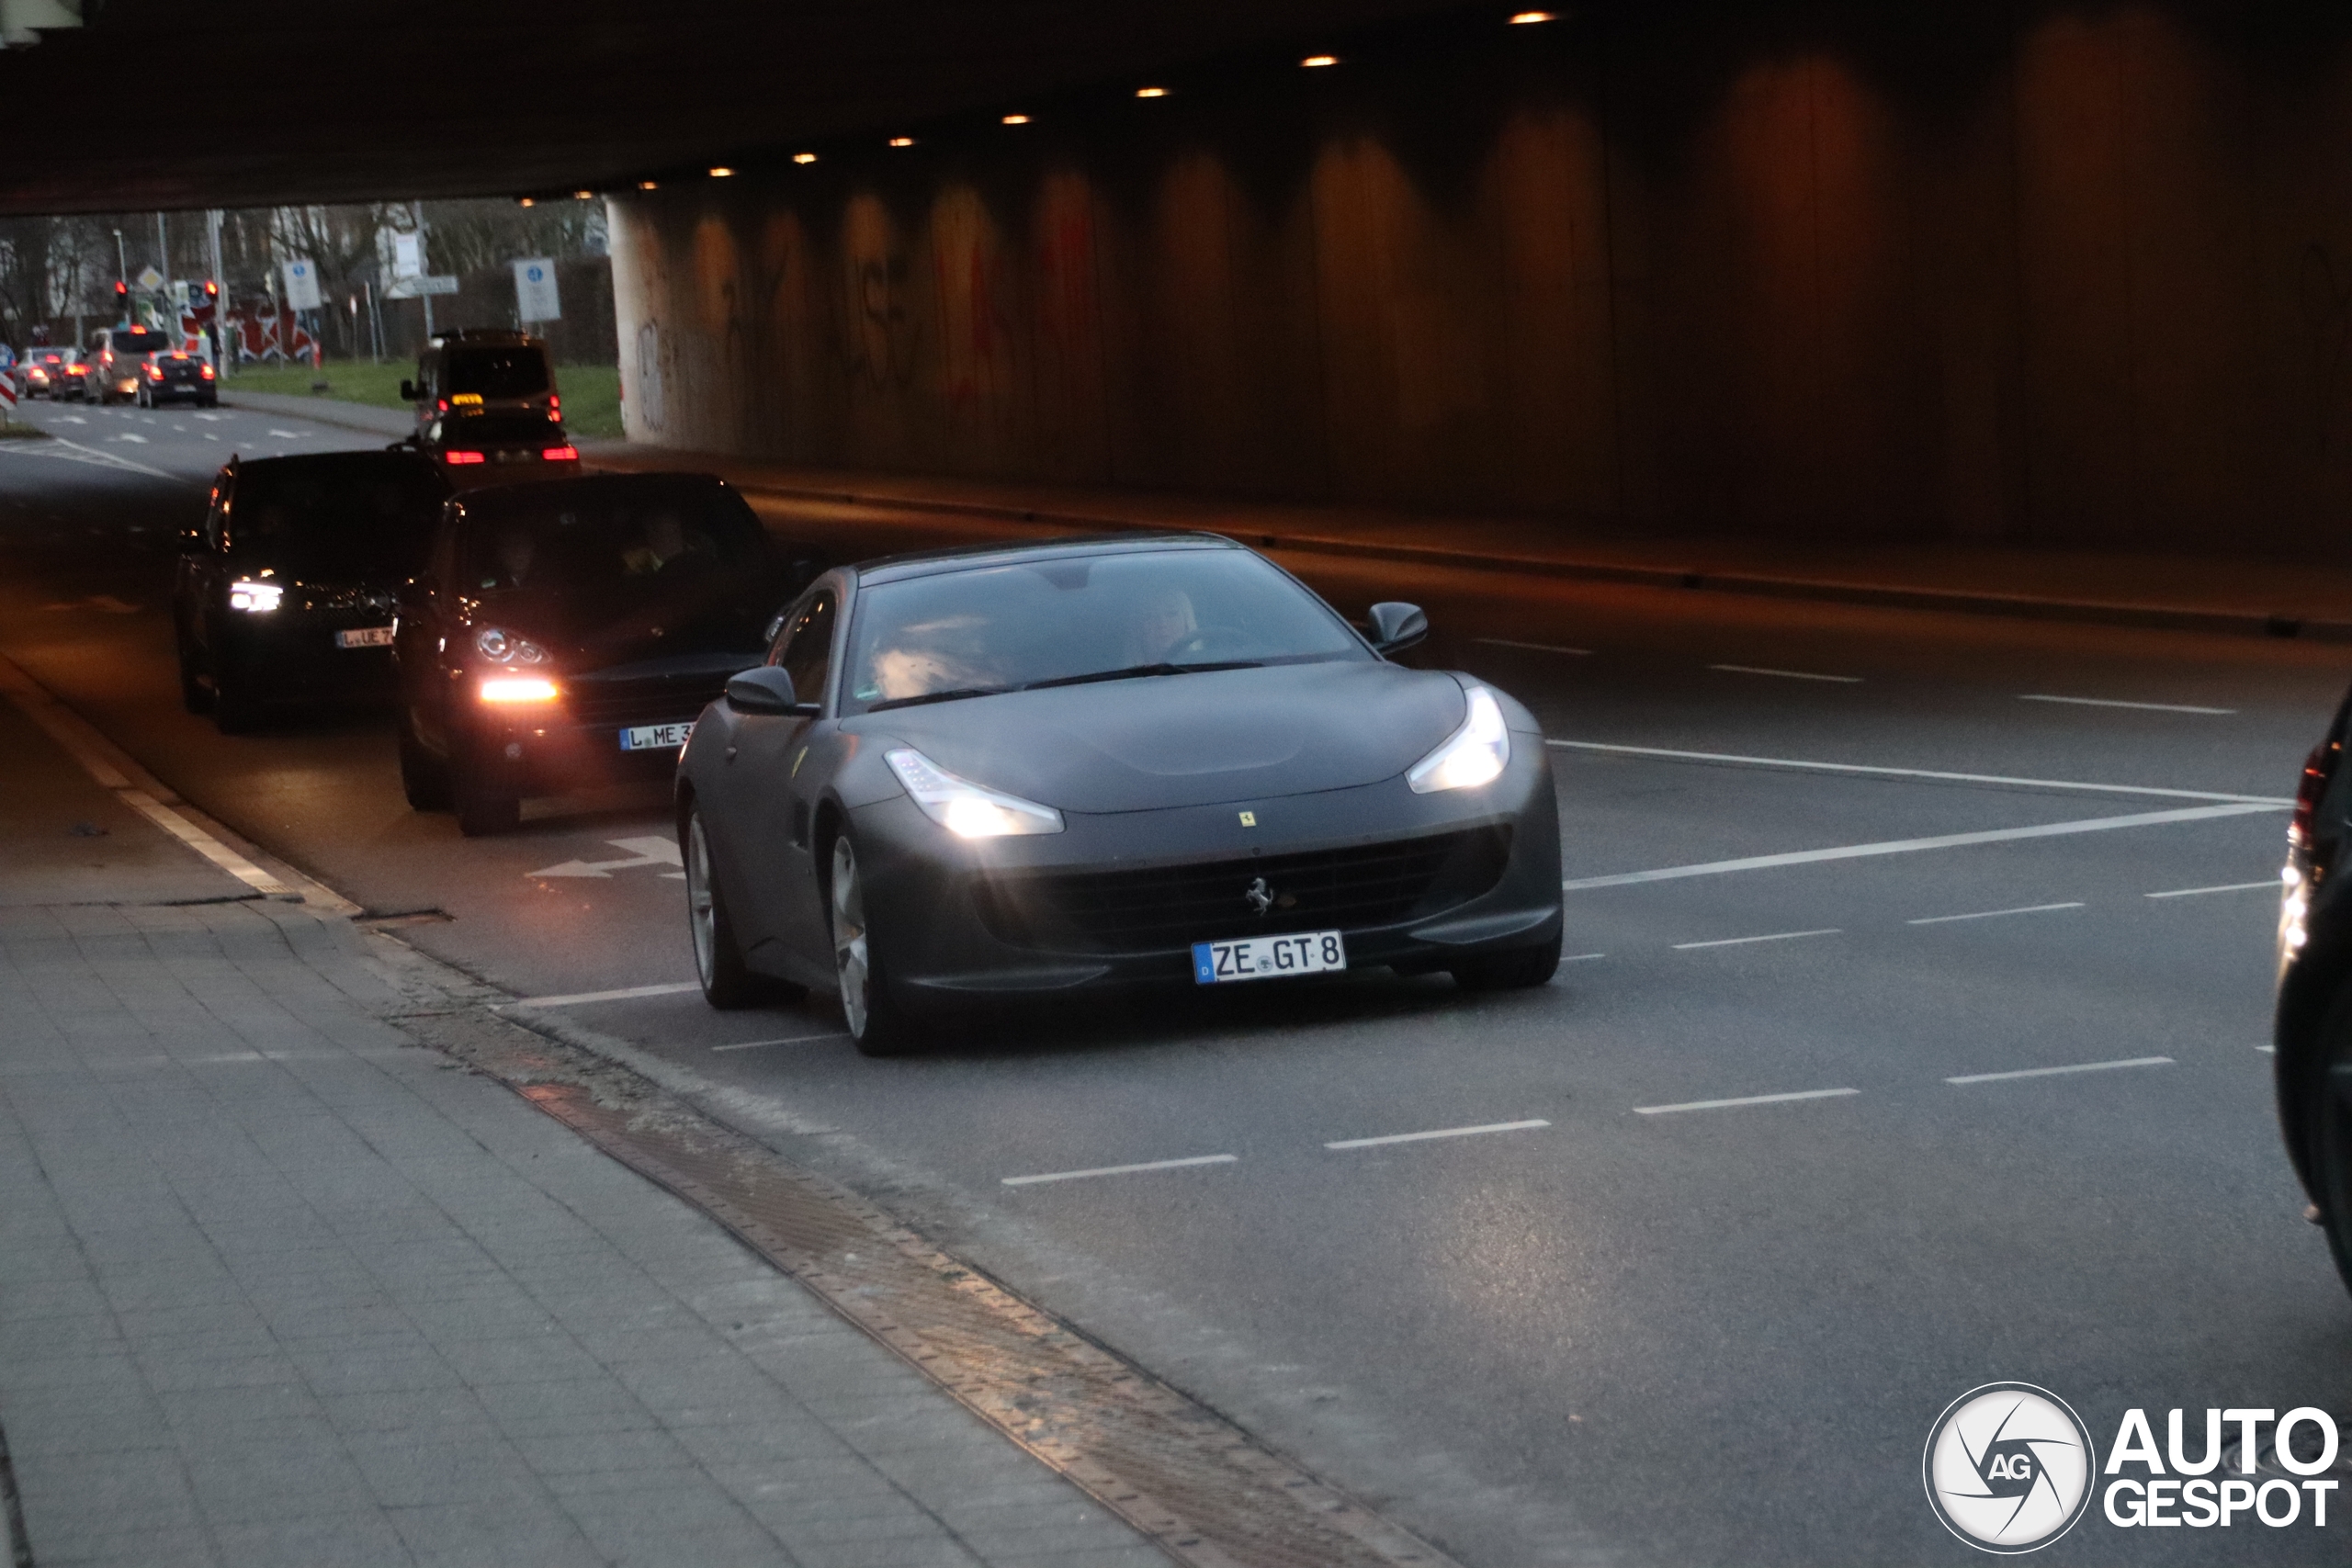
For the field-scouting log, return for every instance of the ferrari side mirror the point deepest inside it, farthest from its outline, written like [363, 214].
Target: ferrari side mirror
[1396, 626]
[767, 689]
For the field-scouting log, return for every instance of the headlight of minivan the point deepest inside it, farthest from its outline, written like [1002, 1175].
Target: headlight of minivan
[505, 647]
[255, 597]
[1472, 755]
[965, 808]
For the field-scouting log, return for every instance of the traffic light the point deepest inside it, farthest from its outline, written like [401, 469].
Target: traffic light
[211, 290]
[121, 292]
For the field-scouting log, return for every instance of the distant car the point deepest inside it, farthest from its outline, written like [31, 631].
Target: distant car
[566, 633]
[485, 399]
[1162, 761]
[117, 357]
[42, 370]
[287, 591]
[177, 377]
[69, 376]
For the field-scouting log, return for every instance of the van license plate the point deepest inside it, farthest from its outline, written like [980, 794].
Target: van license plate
[365, 637]
[657, 737]
[1268, 957]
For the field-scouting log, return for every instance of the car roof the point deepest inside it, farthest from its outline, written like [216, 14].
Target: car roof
[932, 563]
[553, 492]
[389, 457]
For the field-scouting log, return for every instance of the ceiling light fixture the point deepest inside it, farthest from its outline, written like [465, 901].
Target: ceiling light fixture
[647, 184]
[804, 157]
[722, 171]
[1151, 92]
[903, 141]
[524, 201]
[1521, 18]
[581, 194]
[1017, 119]
[1314, 61]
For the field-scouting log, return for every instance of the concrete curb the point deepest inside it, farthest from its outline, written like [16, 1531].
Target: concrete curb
[2158, 618]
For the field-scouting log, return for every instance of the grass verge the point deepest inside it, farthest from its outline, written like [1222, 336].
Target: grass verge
[591, 393]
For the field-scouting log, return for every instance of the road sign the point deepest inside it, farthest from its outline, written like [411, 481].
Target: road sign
[408, 255]
[7, 393]
[301, 286]
[409, 287]
[535, 291]
[150, 280]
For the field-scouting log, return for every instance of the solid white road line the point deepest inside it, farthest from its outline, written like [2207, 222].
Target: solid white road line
[2111, 703]
[1786, 675]
[1532, 647]
[788, 1040]
[1743, 941]
[1992, 914]
[1440, 1133]
[2270, 883]
[1750, 1099]
[1119, 1169]
[1911, 846]
[669, 989]
[79, 740]
[1583, 958]
[2056, 1072]
[1797, 765]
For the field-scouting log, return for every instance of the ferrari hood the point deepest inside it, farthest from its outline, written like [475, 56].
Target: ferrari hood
[1174, 740]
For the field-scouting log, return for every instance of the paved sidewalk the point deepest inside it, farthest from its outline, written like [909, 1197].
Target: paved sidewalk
[279, 1285]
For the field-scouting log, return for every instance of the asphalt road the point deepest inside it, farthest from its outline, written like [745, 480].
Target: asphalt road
[1636, 1323]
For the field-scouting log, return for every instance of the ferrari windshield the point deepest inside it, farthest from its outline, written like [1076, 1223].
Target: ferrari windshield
[1061, 621]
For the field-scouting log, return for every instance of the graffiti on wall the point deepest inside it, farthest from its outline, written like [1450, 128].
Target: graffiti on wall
[878, 334]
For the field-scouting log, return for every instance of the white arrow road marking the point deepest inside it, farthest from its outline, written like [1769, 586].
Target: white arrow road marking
[651, 849]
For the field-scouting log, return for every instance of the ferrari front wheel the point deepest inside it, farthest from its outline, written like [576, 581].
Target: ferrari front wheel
[876, 1023]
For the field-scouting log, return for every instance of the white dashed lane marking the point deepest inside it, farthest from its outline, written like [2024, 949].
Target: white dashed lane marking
[2060, 1072]
[1786, 675]
[1440, 1132]
[1532, 647]
[1990, 914]
[2112, 702]
[1931, 775]
[2269, 884]
[1748, 1099]
[1119, 1169]
[1743, 941]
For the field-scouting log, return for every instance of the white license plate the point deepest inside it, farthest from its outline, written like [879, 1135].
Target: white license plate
[365, 637]
[1268, 957]
[657, 737]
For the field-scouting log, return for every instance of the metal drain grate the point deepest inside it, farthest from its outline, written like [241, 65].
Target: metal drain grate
[1190, 1480]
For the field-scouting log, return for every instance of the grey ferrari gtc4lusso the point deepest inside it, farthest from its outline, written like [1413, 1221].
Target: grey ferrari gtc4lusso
[1016, 771]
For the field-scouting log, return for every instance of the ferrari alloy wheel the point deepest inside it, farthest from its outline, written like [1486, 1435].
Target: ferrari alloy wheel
[719, 958]
[874, 1020]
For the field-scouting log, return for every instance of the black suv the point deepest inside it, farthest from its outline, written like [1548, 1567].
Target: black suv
[568, 633]
[286, 591]
[486, 402]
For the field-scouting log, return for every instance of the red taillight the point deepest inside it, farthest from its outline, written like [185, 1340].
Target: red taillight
[2317, 768]
[443, 405]
[554, 402]
[205, 371]
[154, 372]
[559, 454]
[463, 457]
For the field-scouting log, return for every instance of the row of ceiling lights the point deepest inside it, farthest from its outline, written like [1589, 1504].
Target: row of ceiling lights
[1311, 63]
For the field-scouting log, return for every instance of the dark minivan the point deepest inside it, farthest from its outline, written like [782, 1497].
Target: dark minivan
[567, 633]
[285, 593]
[487, 408]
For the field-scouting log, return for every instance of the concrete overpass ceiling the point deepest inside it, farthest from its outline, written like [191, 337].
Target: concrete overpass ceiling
[259, 102]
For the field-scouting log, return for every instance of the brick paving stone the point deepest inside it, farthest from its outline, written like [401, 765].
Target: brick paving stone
[278, 1287]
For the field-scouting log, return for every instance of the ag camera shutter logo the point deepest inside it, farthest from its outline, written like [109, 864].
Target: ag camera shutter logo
[2008, 1468]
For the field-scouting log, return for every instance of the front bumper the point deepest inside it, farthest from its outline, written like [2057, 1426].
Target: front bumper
[525, 754]
[936, 905]
[292, 656]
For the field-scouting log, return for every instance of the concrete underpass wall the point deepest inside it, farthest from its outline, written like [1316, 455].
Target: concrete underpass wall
[2062, 273]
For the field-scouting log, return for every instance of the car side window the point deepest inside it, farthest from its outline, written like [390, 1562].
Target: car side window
[805, 651]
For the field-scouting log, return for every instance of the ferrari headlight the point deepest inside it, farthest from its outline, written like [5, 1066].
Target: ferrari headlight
[254, 597]
[505, 647]
[963, 807]
[1472, 755]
